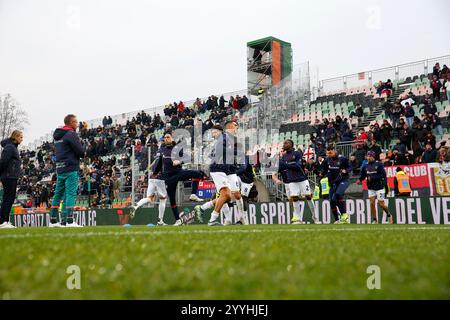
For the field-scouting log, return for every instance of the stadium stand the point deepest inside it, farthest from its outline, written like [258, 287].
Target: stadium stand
[399, 120]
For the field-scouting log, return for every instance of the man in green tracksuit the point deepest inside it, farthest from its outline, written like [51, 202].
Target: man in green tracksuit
[69, 150]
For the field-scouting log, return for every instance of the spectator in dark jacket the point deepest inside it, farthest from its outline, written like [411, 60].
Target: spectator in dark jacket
[405, 136]
[373, 146]
[69, 150]
[10, 171]
[436, 70]
[396, 111]
[429, 155]
[357, 158]
[428, 107]
[409, 114]
[385, 134]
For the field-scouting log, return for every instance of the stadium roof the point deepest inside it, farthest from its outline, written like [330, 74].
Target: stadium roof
[265, 40]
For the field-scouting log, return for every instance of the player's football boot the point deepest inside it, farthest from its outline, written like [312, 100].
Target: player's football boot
[73, 225]
[132, 212]
[54, 225]
[214, 223]
[178, 223]
[296, 220]
[199, 213]
[195, 198]
[7, 225]
[161, 223]
[316, 221]
[345, 219]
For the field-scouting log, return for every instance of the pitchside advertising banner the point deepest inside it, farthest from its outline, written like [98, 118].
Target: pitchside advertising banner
[428, 179]
[428, 210]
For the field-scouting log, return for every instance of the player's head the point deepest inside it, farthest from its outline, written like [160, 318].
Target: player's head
[16, 137]
[168, 139]
[398, 169]
[288, 145]
[371, 156]
[231, 127]
[331, 151]
[71, 121]
[216, 131]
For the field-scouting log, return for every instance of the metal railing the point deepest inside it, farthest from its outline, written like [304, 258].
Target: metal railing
[348, 147]
[278, 191]
[367, 78]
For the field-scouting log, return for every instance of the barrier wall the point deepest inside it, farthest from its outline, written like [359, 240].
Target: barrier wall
[427, 210]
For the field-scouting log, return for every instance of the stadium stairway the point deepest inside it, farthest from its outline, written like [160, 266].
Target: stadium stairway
[378, 110]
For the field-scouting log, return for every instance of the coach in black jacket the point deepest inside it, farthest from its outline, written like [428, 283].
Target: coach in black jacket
[10, 170]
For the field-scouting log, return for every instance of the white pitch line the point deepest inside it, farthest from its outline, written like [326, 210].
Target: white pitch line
[162, 232]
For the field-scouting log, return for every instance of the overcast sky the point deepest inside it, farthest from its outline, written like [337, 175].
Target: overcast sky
[94, 57]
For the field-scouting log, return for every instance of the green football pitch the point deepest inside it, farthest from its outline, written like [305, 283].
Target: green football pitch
[238, 262]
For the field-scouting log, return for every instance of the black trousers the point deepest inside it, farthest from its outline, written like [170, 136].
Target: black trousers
[172, 183]
[9, 195]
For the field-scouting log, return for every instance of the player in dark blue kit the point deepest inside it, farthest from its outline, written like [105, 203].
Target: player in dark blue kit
[376, 180]
[226, 158]
[291, 169]
[337, 168]
[172, 172]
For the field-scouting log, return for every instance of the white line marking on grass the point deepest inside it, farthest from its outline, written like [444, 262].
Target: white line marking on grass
[163, 232]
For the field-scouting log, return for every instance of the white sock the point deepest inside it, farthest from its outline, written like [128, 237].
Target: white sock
[162, 208]
[207, 205]
[214, 216]
[142, 202]
[297, 210]
[310, 204]
[226, 212]
[244, 214]
[240, 208]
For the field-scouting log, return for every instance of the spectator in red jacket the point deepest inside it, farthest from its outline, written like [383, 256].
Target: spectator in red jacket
[236, 103]
[436, 87]
[181, 107]
[362, 135]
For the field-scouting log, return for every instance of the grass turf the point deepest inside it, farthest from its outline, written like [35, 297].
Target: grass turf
[251, 262]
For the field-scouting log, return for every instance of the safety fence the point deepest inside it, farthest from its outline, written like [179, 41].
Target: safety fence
[368, 78]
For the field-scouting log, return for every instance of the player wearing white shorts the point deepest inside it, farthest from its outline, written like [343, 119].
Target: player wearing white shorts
[292, 171]
[156, 187]
[376, 177]
[225, 160]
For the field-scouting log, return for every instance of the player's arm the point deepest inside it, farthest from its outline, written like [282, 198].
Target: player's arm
[75, 144]
[325, 169]
[346, 167]
[242, 163]
[275, 178]
[363, 175]
[7, 155]
[157, 163]
[218, 150]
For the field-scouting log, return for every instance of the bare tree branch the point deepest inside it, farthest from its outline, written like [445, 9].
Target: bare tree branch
[12, 116]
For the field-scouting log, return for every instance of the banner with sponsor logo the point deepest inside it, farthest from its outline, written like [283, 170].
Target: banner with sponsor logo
[441, 178]
[206, 189]
[426, 179]
[427, 210]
